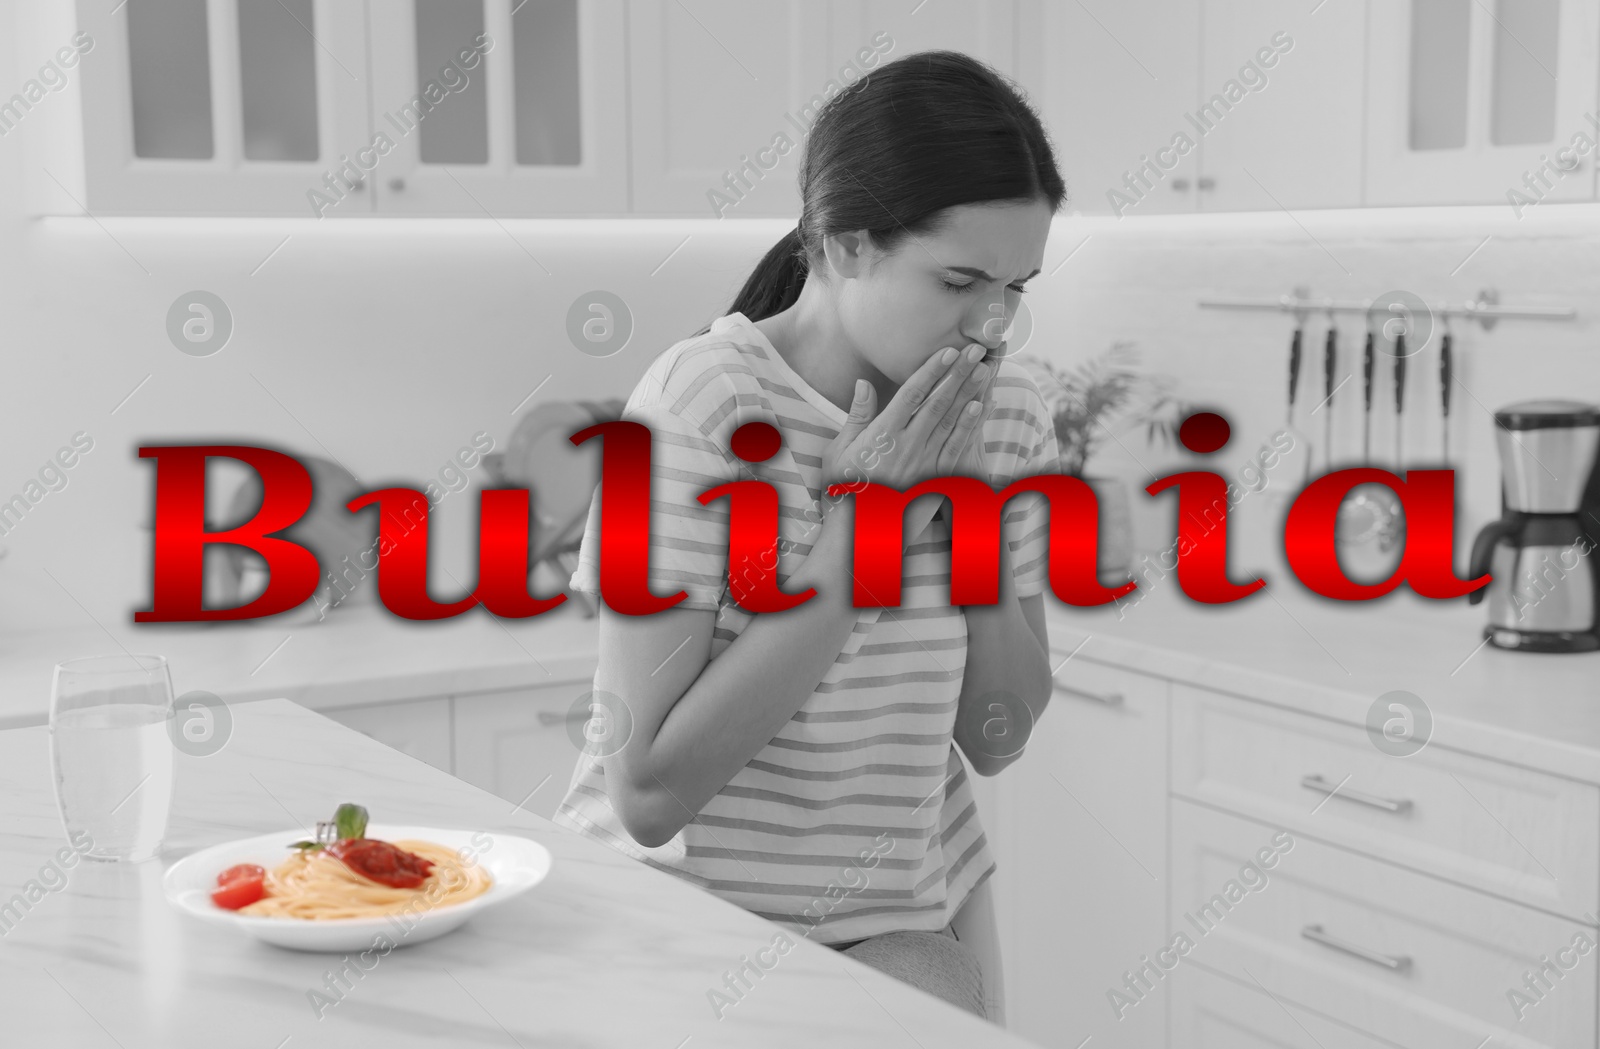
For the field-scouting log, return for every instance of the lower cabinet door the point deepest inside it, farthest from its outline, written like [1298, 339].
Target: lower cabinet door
[522, 743]
[1213, 1012]
[1395, 955]
[1083, 864]
[420, 728]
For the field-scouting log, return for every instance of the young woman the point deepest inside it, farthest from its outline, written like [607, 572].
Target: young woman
[803, 764]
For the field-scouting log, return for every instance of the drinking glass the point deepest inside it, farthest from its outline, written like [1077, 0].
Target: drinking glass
[110, 755]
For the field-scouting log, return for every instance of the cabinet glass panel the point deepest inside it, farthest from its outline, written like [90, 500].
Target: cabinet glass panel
[544, 46]
[169, 65]
[1439, 35]
[278, 79]
[456, 126]
[1523, 105]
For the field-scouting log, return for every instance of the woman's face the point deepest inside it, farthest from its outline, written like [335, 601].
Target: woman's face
[958, 286]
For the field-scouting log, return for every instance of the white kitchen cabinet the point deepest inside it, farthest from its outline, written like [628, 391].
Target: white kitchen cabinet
[523, 743]
[1082, 886]
[1213, 1012]
[206, 107]
[985, 29]
[420, 728]
[721, 96]
[764, 67]
[1113, 81]
[1438, 811]
[1396, 955]
[1464, 100]
[533, 122]
[1279, 122]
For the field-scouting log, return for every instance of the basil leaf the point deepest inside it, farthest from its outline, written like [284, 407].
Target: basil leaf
[350, 821]
[306, 846]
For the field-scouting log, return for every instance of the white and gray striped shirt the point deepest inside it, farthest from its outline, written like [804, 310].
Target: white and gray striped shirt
[857, 818]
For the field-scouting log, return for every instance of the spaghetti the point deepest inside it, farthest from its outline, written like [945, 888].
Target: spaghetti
[316, 886]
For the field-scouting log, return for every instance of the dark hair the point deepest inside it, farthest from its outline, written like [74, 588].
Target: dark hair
[888, 154]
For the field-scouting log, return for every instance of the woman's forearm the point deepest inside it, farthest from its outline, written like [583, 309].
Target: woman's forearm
[743, 698]
[1003, 656]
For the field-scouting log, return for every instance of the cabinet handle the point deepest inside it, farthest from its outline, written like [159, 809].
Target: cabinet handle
[1393, 962]
[548, 718]
[1386, 804]
[1180, 185]
[1110, 699]
[1205, 182]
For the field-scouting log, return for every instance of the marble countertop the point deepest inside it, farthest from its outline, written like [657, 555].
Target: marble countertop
[1281, 645]
[358, 654]
[605, 952]
[1334, 659]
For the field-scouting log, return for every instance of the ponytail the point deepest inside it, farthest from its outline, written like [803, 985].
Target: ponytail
[775, 283]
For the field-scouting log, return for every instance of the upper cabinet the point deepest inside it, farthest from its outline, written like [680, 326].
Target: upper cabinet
[339, 108]
[723, 92]
[1480, 102]
[1113, 82]
[1278, 122]
[721, 96]
[214, 107]
[500, 107]
[507, 108]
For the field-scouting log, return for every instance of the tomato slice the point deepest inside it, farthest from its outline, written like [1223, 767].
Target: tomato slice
[239, 886]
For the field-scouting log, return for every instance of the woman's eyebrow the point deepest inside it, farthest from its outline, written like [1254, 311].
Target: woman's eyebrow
[973, 271]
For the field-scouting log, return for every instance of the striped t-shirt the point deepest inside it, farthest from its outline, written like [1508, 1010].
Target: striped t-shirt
[858, 817]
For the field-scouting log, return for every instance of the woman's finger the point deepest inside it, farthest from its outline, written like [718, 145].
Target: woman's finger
[948, 396]
[861, 412]
[962, 432]
[915, 390]
[941, 417]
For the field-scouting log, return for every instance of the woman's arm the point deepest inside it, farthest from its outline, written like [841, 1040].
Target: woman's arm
[1007, 651]
[692, 722]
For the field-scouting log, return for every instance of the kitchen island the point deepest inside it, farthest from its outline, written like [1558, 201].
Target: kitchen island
[604, 952]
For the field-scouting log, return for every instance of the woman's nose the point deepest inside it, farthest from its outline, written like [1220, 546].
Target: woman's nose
[987, 326]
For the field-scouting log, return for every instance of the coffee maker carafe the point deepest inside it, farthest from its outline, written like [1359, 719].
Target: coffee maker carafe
[1545, 591]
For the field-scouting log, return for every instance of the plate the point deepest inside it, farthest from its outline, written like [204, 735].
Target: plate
[515, 864]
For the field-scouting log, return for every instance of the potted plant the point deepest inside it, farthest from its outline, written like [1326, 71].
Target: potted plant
[1084, 402]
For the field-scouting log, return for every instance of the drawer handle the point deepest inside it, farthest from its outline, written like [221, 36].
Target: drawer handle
[1110, 699]
[1386, 804]
[547, 717]
[1394, 963]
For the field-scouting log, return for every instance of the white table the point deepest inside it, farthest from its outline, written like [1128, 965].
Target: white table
[606, 952]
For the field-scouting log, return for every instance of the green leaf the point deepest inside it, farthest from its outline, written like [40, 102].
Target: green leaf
[306, 846]
[350, 821]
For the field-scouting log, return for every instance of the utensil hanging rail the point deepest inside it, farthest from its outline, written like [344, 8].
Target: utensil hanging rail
[1485, 309]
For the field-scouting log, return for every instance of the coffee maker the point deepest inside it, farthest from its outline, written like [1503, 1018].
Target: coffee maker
[1542, 553]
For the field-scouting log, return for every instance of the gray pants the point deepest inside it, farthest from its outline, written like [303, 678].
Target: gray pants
[936, 962]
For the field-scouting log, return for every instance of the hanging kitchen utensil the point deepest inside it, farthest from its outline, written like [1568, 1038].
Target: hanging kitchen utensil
[1446, 368]
[1330, 358]
[1366, 517]
[1296, 355]
[1393, 534]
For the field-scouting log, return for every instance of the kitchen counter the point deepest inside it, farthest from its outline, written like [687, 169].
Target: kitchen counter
[604, 952]
[1334, 659]
[359, 654]
[1281, 645]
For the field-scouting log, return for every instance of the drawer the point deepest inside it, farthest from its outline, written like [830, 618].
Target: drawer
[1382, 950]
[1528, 836]
[1213, 1012]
